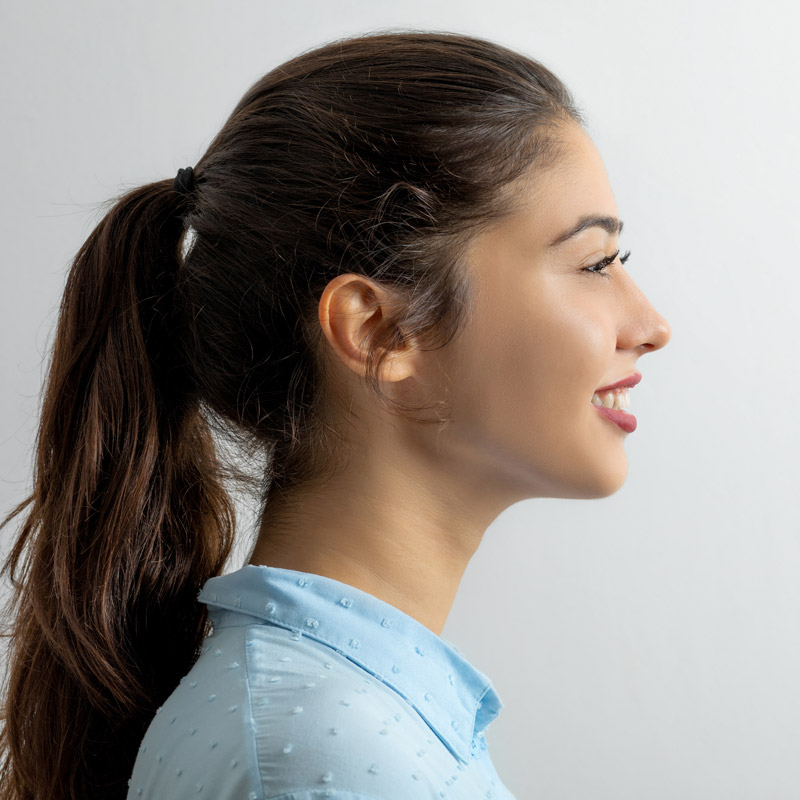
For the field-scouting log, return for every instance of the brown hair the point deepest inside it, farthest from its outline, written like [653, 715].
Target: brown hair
[380, 155]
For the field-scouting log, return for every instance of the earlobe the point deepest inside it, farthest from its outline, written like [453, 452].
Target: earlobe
[397, 367]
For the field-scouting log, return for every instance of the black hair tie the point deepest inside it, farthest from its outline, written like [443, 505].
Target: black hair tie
[184, 181]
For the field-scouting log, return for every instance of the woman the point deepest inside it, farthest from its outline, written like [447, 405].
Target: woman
[394, 272]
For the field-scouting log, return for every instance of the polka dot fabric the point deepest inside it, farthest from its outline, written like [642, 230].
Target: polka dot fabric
[309, 688]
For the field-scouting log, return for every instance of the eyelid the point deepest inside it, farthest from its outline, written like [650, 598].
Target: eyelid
[599, 267]
[605, 261]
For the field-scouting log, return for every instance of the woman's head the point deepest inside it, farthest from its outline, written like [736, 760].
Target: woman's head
[545, 330]
[380, 157]
[371, 173]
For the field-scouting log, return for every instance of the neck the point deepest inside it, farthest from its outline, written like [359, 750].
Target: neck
[413, 558]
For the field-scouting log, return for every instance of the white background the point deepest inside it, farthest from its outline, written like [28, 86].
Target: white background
[646, 646]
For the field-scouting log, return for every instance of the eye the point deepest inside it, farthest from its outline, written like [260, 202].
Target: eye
[600, 266]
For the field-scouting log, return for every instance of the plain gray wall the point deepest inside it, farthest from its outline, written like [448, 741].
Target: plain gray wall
[645, 645]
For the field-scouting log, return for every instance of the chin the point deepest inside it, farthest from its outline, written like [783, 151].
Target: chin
[610, 483]
[592, 486]
[596, 486]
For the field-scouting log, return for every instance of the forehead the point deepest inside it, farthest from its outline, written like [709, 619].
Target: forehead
[552, 198]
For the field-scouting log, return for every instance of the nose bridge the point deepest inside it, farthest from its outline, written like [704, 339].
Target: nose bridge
[643, 324]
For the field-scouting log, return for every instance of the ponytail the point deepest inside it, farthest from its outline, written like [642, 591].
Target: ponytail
[128, 517]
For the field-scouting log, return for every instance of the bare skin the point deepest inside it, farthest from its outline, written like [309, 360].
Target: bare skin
[403, 518]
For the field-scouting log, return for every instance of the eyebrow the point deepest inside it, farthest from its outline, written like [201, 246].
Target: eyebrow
[610, 224]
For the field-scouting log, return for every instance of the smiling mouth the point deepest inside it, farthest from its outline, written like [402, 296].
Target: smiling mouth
[617, 399]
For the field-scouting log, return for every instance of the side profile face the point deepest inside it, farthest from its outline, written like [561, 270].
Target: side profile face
[544, 335]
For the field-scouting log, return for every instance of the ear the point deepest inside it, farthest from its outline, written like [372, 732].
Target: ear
[350, 307]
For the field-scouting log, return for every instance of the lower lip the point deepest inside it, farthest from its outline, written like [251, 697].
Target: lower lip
[626, 421]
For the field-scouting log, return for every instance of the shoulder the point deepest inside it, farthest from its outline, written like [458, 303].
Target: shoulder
[266, 716]
[200, 741]
[323, 723]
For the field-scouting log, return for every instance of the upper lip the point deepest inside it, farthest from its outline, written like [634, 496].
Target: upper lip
[632, 380]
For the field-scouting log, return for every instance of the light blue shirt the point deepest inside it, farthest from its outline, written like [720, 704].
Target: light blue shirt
[309, 688]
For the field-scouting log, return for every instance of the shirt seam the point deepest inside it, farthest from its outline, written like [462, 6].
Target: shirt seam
[253, 738]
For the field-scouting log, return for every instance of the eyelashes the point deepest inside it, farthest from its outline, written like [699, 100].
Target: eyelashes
[600, 266]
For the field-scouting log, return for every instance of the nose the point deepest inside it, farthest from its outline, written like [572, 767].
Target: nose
[657, 330]
[644, 326]
[663, 331]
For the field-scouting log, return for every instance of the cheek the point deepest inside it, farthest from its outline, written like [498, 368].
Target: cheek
[544, 350]
[546, 369]
[523, 376]
[568, 350]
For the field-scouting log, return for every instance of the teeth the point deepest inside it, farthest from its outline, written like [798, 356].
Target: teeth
[618, 399]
